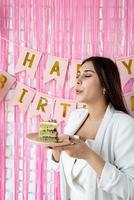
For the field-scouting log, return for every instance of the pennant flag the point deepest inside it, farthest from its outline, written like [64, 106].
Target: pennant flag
[55, 69]
[128, 87]
[129, 99]
[126, 68]
[42, 105]
[6, 81]
[73, 70]
[63, 108]
[22, 96]
[28, 60]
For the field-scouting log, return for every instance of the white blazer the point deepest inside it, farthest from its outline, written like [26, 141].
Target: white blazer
[115, 143]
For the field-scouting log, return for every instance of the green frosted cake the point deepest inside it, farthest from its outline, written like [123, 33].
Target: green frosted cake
[48, 132]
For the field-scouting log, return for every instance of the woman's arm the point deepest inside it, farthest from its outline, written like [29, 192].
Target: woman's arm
[56, 155]
[96, 162]
[80, 150]
[118, 178]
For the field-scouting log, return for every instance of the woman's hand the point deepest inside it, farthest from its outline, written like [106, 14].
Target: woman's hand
[56, 152]
[77, 148]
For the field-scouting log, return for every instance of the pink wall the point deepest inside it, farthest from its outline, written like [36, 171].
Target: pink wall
[66, 28]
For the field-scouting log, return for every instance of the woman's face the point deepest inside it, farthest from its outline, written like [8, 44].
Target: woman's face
[88, 87]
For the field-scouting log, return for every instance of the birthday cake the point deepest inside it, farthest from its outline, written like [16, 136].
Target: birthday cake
[48, 132]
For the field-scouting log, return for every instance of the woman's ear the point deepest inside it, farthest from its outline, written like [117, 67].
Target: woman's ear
[104, 91]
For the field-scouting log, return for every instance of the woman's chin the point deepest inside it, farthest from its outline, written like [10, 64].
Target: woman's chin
[79, 100]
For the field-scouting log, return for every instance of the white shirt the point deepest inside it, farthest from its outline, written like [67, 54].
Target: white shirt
[115, 143]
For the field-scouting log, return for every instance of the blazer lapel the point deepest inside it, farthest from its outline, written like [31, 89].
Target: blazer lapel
[96, 146]
[102, 129]
[67, 170]
[80, 164]
[75, 121]
[74, 124]
[68, 165]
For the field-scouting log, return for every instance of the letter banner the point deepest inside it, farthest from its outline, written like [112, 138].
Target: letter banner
[128, 88]
[129, 99]
[6, 81]
[73, 70]
[28, 60]
[42, 105]
[22, 96]
[63, 108]
[55, 69]
[126, 69]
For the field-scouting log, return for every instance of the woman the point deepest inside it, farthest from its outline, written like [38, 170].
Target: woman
[99, 163]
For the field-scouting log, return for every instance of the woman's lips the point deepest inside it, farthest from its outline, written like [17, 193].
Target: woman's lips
[78, 91]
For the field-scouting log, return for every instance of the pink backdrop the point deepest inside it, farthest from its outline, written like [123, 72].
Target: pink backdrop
[66, 28]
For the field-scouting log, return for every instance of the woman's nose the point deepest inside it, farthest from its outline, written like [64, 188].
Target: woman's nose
[79, 81]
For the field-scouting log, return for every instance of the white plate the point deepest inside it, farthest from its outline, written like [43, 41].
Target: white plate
[34, 138]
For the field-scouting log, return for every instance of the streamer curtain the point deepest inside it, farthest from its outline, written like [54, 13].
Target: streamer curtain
[65, 28]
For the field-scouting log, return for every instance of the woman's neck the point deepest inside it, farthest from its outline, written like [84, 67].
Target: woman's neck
[97, 111]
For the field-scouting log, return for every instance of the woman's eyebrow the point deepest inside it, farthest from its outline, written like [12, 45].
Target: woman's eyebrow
[86, 70]
[89, 70]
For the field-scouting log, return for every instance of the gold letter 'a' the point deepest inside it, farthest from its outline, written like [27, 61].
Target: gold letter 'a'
[55, 68]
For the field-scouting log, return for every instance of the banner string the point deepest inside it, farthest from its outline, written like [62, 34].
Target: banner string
[2, 38]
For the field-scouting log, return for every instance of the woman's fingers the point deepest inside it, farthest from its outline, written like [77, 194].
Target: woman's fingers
[74, 139]
[65, 147]
[66, 143]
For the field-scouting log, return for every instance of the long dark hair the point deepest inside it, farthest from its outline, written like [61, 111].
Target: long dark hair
[109, 77]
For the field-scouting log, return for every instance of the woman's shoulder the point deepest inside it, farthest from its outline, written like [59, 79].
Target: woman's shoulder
[123, 129]
[123, 116]
[123, 119]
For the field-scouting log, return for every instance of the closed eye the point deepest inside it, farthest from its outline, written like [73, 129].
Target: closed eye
[86, 73]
